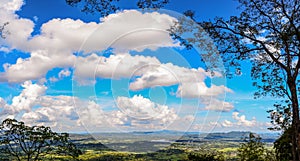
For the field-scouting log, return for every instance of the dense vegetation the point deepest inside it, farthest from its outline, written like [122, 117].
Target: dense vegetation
[22, 142]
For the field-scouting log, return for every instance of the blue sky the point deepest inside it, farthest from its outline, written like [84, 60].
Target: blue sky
[74, 72]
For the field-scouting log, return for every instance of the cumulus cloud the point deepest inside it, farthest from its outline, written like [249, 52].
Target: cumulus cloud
[115, 66]
[227, 123]
[241, 120]
[36, 66]
[19, 29]
[53, 111]
[143, 108]
[11, 5]
[71, 113]
[26, 99]
[166, 75]
[199, 89]
[64, 73]
[24, 102]
[61, 112]
[60, 38]
[217, 105]
[147, 72]
[237, 122]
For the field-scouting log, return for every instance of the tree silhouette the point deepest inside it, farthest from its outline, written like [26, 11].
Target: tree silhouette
[283, 146]
[20, 141]
[267, 34]
[106, 7]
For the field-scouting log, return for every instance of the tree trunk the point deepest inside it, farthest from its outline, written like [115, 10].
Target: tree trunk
[295, 123]
[28, 157]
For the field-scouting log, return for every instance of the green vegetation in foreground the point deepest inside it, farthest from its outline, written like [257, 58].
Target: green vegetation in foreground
[216, 150]
[21, 142]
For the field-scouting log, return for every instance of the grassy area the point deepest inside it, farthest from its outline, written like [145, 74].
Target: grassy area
[176, 152]
[144, 148]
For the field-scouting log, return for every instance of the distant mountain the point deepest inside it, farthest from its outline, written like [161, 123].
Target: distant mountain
[232, 134]
[240, 136]
[172, 132]
[180, 136]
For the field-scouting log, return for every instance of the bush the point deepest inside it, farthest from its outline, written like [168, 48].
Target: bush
[253, 150]
[206, 156]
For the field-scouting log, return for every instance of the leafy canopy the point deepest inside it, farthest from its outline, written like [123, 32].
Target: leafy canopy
[20, 141]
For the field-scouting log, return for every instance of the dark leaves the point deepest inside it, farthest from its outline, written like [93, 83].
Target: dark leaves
[103, 7]
[20, 140]
[151, 4]
[106, 7]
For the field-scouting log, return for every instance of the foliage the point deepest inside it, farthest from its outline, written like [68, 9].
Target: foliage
[20, 141]
[152, 3]
[265, 33]
[206, 155]
[283, 146]
[281, 116]
[106, 7]
[253, 150]
[112, 155]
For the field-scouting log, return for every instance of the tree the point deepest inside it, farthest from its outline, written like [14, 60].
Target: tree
[253, 150]
[266, 33]
[283, 146]
[281, 116]
[106, 7]
[206, 155]
[20, 141]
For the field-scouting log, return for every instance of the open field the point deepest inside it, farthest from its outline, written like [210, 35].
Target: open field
[165, 145]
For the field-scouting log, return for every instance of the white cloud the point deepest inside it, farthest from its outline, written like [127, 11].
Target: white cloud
[64, 73]
[115, 66]
[19, 29]
[53, 110]
[166, 75]
[60, 38]
[28, 97]
[11, 5]
[61, 112]
[241, 120]
[199, 89]
[241, 123]
[4, 49]
[237, 122]
[227, 123]
[36, 66]
[217, 105]
[71, 113]
[149, 72]
[24, 102]
[139, 107]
